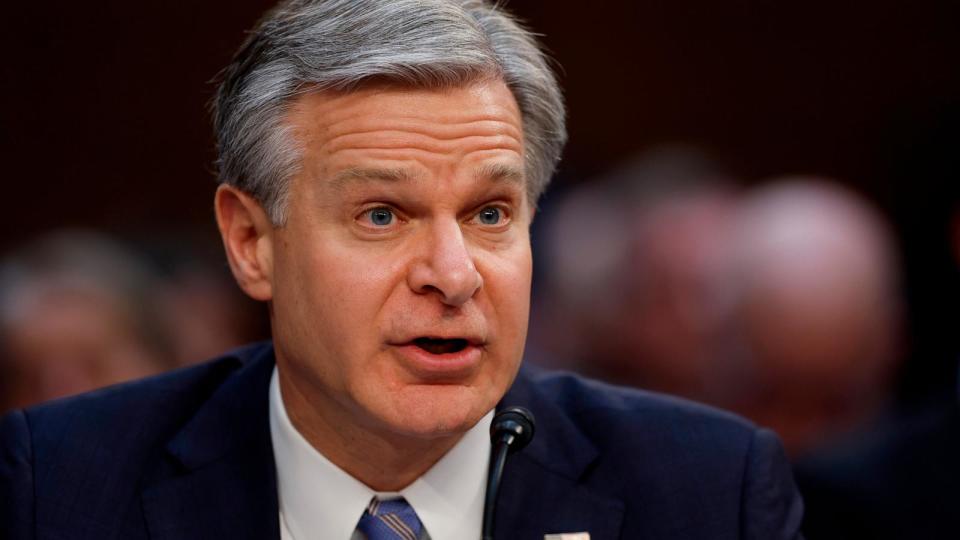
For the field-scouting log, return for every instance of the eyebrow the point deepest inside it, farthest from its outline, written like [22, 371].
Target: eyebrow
[500, 172]
[378, 174]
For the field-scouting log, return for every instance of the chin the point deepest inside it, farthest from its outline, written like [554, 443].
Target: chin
[436, 411]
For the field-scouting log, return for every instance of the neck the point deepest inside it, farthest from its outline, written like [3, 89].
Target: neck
[380, 459]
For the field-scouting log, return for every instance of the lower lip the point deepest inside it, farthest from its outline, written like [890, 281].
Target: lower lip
[427, 365]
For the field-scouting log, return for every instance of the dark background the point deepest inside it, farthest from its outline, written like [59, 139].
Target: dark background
[105, 124]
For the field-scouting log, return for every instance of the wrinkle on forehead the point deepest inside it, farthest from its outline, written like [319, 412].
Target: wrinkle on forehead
[391, 113]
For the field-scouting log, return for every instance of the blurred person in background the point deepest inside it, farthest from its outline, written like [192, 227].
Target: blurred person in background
[634, 288]
[78, 311]
[201, 306]
[815, 319]
[205, 314]
[780, 303]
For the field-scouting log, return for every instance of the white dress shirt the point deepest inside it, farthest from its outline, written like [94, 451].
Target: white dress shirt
[320, 501]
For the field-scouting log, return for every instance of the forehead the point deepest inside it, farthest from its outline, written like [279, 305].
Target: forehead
[489, 93]
[472, 119]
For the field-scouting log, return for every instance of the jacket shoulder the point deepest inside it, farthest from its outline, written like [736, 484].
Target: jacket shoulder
[80, 463]
[130, 417]
[679, 466]
[614, 414]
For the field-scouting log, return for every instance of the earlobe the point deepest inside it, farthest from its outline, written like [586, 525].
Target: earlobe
[247, 235]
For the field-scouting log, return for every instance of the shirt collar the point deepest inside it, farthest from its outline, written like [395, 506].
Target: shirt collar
[320, 500]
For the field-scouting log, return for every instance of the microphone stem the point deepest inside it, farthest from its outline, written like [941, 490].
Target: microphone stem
[493, 487]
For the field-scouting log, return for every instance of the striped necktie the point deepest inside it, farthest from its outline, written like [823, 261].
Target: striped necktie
[390, 520]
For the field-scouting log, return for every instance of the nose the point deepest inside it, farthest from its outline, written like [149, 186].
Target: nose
[445, 266]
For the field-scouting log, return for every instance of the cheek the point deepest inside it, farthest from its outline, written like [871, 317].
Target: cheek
[326, 305]
[507, 281]
[334, 287]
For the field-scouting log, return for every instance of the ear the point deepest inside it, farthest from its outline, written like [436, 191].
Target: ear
[248, 240]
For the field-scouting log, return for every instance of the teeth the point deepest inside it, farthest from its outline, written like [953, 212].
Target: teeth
[440, 346]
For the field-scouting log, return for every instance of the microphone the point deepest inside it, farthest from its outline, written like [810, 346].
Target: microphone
[511, 430]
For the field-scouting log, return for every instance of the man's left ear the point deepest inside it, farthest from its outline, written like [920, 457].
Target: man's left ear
[247, 235]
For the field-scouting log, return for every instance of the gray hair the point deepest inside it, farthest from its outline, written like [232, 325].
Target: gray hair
[305, 46]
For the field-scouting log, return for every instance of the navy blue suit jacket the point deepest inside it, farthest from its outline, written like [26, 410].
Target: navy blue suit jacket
[187, 455]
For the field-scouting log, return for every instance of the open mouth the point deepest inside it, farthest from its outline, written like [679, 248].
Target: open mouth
[441, 346]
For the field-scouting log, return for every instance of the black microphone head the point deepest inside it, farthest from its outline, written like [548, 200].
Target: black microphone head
[513, 425]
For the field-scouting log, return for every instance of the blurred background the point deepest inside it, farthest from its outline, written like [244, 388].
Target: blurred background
[758, 209]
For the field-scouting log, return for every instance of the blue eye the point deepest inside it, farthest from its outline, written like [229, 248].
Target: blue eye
[380, 217]
[489, 215]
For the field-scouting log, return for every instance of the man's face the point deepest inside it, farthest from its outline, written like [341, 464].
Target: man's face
[401, 279]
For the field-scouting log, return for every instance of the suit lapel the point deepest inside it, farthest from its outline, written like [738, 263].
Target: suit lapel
[218, 478]
[542, 490]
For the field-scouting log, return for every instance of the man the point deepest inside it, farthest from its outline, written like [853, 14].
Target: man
[380, 163]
